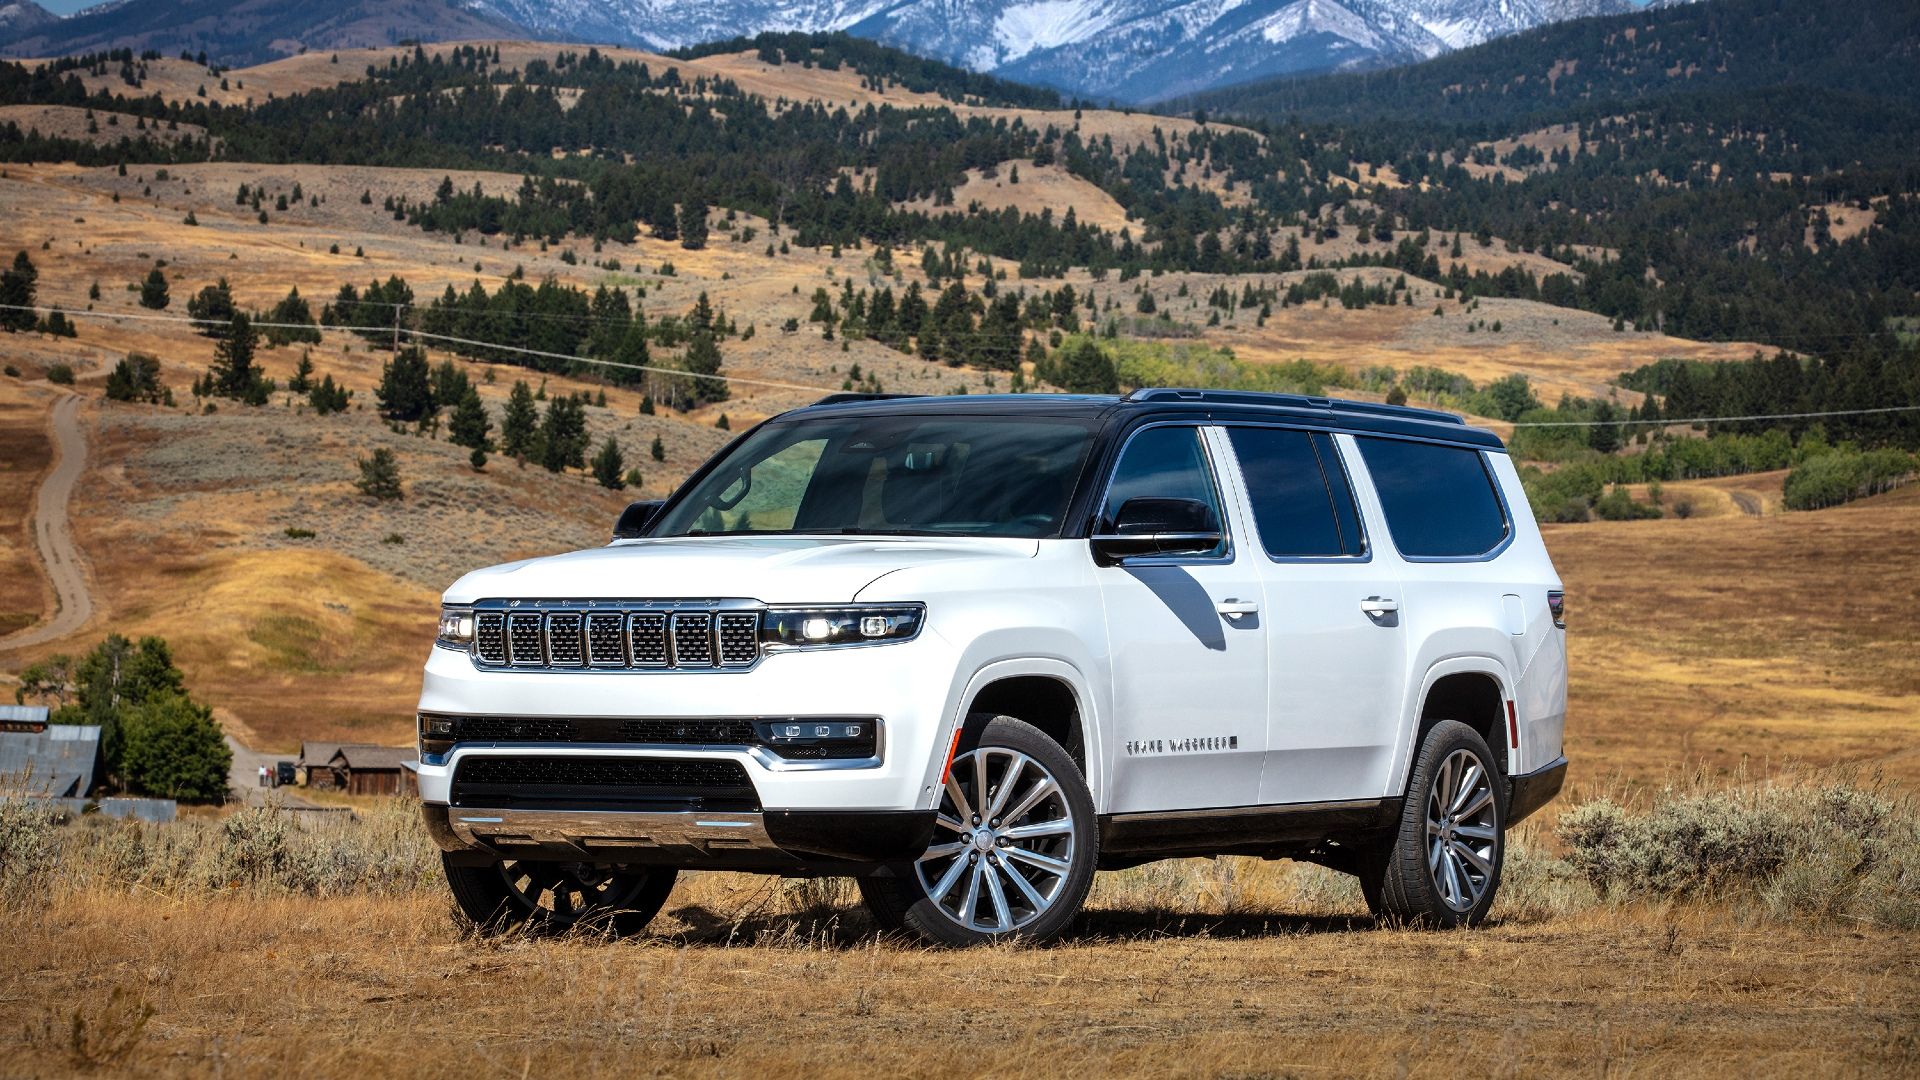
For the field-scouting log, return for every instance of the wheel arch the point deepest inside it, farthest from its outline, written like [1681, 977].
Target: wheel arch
[1476, 691]
[1050, 694]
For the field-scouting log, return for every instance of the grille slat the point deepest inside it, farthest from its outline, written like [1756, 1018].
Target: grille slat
[490, 638]
[659, 783]
[649, 635]
[564, 647]
[606, 639]
[739, 637]
[693, 640]
[526, 640]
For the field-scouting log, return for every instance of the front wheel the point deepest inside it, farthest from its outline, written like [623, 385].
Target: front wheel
[550, 897]
[1443, 866]
[1014, 845]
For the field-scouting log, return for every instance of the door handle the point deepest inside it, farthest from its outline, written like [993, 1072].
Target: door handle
[1379, 605]
[1234, 609]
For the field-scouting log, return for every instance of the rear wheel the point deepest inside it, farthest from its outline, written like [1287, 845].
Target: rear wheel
[1014, 844]
[550, 897]
[1443, 866]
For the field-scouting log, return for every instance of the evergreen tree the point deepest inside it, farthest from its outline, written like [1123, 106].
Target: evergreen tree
[658, 449]
[302, 380]
[233, 373]
[1086, 369]
[293, 319]
[175, 750]
[326, 397]
[470, 425]
[666, 217]
[380, 475]
[609, 467]
[115, 677]
[563, 435]
[702, 361]
[450, 385]
[405, 393]
[153, 291]
[212, 305]
[17, 288]
[136, 377]
[693, 225]
[519, 425]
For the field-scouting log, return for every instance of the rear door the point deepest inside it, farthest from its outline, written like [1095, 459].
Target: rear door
[1187, 642]
[1336, 650]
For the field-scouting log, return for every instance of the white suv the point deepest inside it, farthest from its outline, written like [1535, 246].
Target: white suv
[969, 650]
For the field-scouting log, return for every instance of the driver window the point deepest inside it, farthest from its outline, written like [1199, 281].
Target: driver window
[767, 496]
[1164, 463]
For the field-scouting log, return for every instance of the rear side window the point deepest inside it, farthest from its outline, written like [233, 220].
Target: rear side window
[1439, 500]
[1301, 501]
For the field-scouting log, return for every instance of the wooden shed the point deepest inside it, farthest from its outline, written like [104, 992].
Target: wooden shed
[359, 769]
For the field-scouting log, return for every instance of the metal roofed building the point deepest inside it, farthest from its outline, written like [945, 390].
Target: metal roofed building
[60, 761]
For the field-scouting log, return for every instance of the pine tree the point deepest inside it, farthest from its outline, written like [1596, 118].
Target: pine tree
[405, 393]
[233, 373]
[380, 475]
[609, 467]
[1086, 369]
[658, 449]
[693, 225]
[214, 306]
[702, 361]
[153, 291]
[470, 425]
[666, 219]
[302, 380]
[519, 425]
[563, 435]
[17, 287]
[327, 397]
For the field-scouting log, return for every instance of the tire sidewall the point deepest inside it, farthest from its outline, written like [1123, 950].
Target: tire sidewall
[925, 918]
[1421, 901]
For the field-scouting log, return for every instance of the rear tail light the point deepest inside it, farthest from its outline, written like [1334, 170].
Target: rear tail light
[1557, 604]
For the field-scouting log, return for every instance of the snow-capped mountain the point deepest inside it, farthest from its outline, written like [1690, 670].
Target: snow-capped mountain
[1139, 50]
[24, 17]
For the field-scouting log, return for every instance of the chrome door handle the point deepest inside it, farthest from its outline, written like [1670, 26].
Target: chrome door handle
[1234, 609]
[1379, 605]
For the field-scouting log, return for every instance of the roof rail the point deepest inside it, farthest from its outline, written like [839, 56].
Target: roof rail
[1295, 401]
[842, 399]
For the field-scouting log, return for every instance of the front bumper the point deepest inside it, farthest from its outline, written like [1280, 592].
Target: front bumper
[1533, 790]
[775, 839]
[906, 686]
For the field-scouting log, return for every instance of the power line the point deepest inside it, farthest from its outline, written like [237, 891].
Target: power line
[435, 337]
[1719, 419]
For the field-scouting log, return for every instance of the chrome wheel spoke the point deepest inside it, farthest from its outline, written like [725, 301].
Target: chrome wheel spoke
[1034, 899]
[1476, 804]
[1056, 827]
[1007, 782]
[970, 904]
[959, 797]
[1469, 783]
[1002, 915]
[1475, 832]
[1472, 857]
[940, 890]
[980, 787]
[1041, 789]
[951, 824]
[1033, 858]
[941, 851]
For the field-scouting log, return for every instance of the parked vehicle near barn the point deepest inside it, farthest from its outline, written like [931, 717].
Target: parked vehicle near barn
[971, 650]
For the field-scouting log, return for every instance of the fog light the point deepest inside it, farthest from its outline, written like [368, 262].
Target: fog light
[817, 739]
[817, 629]
[875, 626]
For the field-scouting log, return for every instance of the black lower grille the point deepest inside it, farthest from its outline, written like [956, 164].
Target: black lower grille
[561, 729]
[604, 783]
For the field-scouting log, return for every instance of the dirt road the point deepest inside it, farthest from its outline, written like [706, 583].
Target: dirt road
[53, 535]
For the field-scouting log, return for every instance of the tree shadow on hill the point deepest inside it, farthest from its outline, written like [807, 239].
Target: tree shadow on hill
[846, 928]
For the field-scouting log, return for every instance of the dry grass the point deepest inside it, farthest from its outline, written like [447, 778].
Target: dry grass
[260, 946]
[26, 453]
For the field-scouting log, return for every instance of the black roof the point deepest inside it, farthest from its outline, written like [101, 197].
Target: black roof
[1332, 413]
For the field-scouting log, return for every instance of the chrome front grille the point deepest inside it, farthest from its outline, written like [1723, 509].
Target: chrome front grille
[602, 636]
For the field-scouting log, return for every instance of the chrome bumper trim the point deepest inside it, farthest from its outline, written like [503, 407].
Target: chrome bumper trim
[588, 830]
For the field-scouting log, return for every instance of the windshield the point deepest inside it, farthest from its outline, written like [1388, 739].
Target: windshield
[890, 475]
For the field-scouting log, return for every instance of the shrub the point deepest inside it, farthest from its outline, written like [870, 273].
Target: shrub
[61, 374]
[29, 848]
[1822, 849]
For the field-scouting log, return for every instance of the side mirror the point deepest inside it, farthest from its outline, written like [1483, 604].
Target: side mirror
[1151, 526]
[635, 519]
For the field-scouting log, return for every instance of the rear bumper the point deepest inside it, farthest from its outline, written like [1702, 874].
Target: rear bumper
[768, 840]
[1533, 790]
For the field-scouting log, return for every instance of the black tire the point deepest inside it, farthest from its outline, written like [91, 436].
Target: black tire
[1449, 875]
[553, 897]
[1054, 867]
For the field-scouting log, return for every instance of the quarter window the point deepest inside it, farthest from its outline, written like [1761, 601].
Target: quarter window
[1164, 463]
[1298, 490]
[1440, 501]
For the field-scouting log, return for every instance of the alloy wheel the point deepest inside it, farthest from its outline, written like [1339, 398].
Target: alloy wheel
[564, 893]
[1462, 830]
[1004, 844]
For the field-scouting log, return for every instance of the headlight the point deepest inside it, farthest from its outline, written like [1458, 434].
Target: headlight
[456, 629]
[859, 624]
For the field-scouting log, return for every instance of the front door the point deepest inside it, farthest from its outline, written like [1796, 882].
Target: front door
[1187, 641]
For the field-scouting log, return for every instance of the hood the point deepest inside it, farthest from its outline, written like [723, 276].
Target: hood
[772, 569]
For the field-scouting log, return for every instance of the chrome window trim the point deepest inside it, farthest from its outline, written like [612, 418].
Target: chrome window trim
[1253, 518]
[1493, 481]
[1229, 555]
